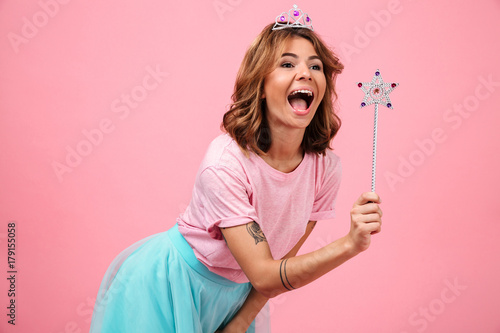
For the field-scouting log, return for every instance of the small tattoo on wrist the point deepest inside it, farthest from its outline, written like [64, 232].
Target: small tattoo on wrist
[283, 272]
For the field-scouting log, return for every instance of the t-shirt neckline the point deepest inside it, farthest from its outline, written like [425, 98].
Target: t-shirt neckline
[279, 174]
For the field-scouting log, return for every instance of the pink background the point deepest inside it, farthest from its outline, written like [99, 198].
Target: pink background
[65, 71]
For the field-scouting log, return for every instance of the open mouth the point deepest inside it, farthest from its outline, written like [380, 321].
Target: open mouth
[301, 99]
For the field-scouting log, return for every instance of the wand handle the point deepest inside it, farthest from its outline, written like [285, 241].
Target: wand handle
[374, 156]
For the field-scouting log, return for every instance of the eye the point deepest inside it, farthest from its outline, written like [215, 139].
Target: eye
[316, 67]
[287, 65]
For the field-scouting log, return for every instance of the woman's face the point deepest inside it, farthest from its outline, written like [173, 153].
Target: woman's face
[295, 88]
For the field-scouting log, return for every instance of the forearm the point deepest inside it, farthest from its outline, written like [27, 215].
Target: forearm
[254, 302]
[270, 277]
[279, 276]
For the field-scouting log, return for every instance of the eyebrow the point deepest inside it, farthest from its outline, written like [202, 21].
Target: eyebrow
[293, 55]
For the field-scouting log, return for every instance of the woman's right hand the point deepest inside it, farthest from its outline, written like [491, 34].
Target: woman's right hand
[366, 220]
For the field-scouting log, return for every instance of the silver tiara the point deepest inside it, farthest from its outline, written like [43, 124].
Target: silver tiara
[294, 18]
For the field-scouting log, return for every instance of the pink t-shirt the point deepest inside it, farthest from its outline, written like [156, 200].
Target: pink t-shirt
[232, 189]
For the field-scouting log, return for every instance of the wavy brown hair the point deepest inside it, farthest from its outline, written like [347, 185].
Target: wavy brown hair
[246, 122]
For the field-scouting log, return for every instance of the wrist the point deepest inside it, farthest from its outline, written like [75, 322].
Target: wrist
[349, 247]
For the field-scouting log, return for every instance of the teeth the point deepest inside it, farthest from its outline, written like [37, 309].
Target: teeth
[308, 92]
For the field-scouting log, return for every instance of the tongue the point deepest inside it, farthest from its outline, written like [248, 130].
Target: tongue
[298, 103]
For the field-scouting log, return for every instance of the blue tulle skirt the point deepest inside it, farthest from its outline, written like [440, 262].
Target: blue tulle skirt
[158, 285]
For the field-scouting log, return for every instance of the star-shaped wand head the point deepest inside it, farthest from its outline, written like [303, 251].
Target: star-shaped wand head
[377, 91]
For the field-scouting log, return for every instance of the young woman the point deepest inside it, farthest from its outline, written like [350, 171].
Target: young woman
[257, 196]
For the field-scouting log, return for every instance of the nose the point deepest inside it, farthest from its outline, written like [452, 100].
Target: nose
[303, 72]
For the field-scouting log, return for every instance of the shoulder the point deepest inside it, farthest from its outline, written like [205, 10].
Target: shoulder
[224, 156]
[328, 163]
[219, 144]
[223, 151]
[328, 171]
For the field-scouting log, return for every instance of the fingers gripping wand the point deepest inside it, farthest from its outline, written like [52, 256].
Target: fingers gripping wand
[376, 92]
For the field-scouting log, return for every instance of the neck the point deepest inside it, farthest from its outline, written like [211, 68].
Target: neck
[285, 153]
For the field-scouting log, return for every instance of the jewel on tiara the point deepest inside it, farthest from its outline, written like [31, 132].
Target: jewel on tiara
[294, 18]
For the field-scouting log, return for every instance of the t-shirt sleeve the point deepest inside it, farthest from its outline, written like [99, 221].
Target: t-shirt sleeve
[324, 202]
[224, 200]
